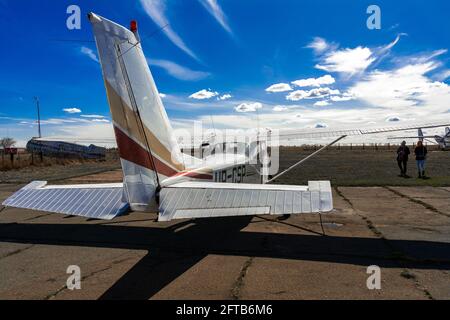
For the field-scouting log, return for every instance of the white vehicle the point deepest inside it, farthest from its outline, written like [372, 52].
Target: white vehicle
[156, 176]
[443, 141]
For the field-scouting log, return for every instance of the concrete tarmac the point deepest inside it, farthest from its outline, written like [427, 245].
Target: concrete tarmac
[403, 230]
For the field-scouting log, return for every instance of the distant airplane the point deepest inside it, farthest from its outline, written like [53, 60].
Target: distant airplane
[157, 176]
[65, 149]
[443, 141]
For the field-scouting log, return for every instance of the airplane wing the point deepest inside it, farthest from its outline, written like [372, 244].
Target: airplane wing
[415, 137]
[100, 201]
[321, 133]
[297, 134]
[210, 199]
[178, 201]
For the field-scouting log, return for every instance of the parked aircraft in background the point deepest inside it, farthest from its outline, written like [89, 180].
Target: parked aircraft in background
[65, 149]
[443, 141]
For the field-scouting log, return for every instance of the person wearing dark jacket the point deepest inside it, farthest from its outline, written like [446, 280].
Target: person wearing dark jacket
[421, 155]
[402, 158]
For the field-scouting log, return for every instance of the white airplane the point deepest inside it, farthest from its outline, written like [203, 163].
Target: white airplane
[443, 141]
[157, 177]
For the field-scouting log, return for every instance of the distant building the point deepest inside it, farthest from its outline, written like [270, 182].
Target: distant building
[65, 149]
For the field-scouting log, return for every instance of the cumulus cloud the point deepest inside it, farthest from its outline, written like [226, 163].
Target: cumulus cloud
[279, 87]
[311, 94]
[348, 61]
[393, 119]
[225, 96]
[216, 11]
[403, 87]
[72, 110]
[322, 103]
[314, 82]
[248, 107]
[90, 53]
[156, 10]
[279, 108]
[177, 71]
[162, 95]
[344, 97]
[204, 94]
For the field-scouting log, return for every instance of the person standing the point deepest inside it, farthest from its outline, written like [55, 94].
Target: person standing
[402, 158]
[421, 155]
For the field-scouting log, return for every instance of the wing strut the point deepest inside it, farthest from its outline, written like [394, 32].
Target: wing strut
[306, 158]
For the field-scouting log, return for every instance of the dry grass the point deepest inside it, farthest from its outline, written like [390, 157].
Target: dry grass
[358, 167]
[344, 167]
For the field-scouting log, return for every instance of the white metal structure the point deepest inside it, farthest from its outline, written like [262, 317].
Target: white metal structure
[443, 141]
[155, 174]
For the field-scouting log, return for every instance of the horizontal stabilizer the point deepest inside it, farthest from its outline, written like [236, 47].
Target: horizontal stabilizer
[210, 199]
[100, 201]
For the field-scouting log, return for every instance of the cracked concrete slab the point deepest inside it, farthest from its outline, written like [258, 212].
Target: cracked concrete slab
[261, 257]
[287, 279]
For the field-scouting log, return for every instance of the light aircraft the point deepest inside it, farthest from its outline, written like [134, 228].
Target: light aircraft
[157, 176]
[443, 141]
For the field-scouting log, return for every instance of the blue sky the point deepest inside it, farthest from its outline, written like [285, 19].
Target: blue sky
[297, 64]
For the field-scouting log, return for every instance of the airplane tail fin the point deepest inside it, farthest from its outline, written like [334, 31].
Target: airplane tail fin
[420, 134]
[148, 149]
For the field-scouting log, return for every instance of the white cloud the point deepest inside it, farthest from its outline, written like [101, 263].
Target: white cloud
[226, 96]
[404, 87]
[248, 107]
[279, 108]
[279, 87]
[389, 46]
[443, 75]
[177, 71]
[204, 94]
[319, 45]
[155, 9]
[162, 95]
[348, 61]
[72, 110]
[322, 103]
[314, 82]
[216, 11]
[311, 94]
[92, 116]
[393, 119]
[90, 53]
[344, 97]
[100, 120]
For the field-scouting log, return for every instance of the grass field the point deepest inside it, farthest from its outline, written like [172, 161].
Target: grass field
[359, 167]
[343, 166]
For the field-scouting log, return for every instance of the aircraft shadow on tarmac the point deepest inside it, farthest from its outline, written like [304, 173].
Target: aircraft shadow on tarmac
[175, 249]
